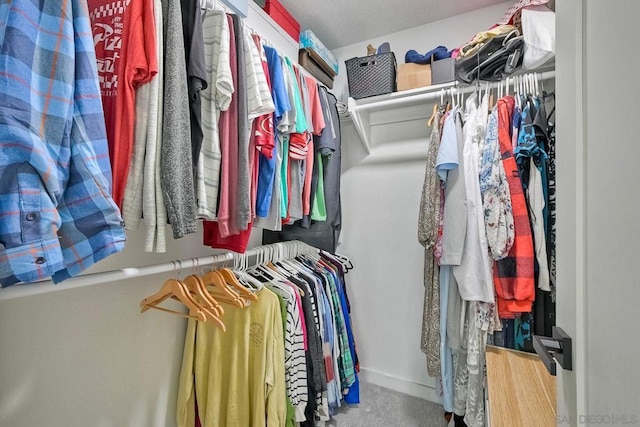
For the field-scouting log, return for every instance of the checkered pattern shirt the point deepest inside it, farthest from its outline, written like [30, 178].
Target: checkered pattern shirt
[513, 276]
[57, 216]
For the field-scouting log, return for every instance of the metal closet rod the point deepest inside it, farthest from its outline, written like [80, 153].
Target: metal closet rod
[434, 94]
[281, 250]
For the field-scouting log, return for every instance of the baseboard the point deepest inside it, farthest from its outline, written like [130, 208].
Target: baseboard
[402, 385]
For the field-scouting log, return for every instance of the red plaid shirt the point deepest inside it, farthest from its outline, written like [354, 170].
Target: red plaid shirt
[513, 276]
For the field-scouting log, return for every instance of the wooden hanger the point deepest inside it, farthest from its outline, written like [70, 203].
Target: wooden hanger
[171, 288]
[232, 280]
[214, 281]
[236, 301]
[196, 286]
[433, 115]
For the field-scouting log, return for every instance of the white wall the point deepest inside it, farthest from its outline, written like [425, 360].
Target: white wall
[611, 176]
[381, 194]
[86, 356]
[597, 213]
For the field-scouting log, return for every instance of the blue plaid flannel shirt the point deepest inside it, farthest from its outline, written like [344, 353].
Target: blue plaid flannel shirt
[57, 216]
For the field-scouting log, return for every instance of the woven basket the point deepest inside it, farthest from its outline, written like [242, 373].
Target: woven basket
[371, 75]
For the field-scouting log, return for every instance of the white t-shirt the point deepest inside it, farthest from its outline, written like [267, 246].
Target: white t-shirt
[474, 275]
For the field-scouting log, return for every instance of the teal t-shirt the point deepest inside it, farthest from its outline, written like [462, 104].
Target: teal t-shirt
[301, 121]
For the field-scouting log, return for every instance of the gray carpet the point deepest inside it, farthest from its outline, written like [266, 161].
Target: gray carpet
[381, 407]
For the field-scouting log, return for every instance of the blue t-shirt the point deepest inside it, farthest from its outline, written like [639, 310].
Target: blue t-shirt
[267, 169]
[448, 152]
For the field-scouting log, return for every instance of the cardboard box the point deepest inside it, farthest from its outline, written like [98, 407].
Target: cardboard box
[282, 16]
[411, 76]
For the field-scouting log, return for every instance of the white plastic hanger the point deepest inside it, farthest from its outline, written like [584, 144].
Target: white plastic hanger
[239, 266]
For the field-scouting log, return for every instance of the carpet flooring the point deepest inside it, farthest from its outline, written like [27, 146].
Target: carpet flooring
[381, 407]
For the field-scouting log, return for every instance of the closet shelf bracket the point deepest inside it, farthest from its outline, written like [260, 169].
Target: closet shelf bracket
[359, 110]
[392, 108]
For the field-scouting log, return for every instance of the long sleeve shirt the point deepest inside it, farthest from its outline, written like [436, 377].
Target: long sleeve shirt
[58, 216]
[143, 192]
[214, 368]
[175, 159]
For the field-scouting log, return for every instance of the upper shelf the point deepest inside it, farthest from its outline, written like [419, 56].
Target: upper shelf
[359, 110]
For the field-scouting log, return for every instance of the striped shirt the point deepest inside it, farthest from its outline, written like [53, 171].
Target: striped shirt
[215, 98]
[259, 102]
[295, 359]
[58, 216]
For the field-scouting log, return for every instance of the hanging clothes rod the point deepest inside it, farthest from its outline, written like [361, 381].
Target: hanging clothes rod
[432, 92]
[273, 252]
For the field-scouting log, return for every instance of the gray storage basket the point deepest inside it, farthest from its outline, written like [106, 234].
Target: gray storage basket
[371, 75]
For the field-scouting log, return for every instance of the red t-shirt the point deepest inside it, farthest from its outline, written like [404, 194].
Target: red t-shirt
[125, 41]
